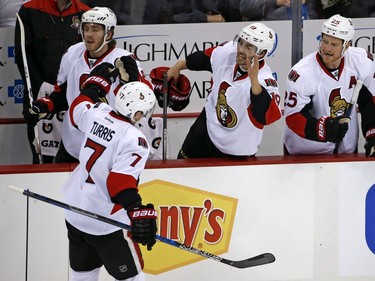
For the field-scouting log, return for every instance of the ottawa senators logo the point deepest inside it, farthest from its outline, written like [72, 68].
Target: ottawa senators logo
[47, 127]
[156, 142]
[75, 22]
[142, 142]
[151, 123]
[225, 114]
[338, 105]
[293, 75]
[60, 116]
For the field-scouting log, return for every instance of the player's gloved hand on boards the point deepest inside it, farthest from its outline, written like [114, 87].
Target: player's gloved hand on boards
[37, 110]
[332, 129]
[370, 146]
[143, 224]
[128, 69]
[99, 82]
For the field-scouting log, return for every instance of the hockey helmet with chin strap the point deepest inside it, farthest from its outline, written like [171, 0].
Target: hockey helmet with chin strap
[259, 35]
[99, 15]
[133, 97]
[339, 27]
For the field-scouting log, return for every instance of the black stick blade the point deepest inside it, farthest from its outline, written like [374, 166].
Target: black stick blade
[250, 262]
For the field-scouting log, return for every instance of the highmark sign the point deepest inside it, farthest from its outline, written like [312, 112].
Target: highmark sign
[197, 218]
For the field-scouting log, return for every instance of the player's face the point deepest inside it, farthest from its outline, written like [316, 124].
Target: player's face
[330, 50]
[93, 35]
[244, 50]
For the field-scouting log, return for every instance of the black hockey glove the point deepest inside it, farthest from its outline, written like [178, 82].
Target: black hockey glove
[99, 82]
[128, 69]
[143, 224]
[37, 111]
[370, 146]
[332, 129]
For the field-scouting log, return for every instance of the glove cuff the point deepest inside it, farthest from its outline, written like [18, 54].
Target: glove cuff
[99, 82]
[321, 130]
[142, 212]
[370, 135]
[45, 104]
[128, 198]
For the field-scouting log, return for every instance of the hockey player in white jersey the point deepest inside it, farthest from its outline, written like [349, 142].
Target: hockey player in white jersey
[244, 96]
[112, 156]
[318, 94]
[97, 30]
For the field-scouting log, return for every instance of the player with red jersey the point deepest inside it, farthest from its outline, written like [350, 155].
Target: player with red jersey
[244, 95]
[319, 89]
[112, 156]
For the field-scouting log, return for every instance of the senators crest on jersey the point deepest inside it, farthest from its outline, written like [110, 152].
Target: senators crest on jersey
[225, 114]
[47, 127]
[271, 82]
[293, 75]
[338, 105]
[142, 142]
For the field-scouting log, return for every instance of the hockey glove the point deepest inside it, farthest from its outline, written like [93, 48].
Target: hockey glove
[143, 224]
[370, 143]
[157, 75]
[99, 82]
[38, 110]
[332, 129]
[179, 93]
[128, 69]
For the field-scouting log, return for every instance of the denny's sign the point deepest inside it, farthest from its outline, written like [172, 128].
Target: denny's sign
[197, 218]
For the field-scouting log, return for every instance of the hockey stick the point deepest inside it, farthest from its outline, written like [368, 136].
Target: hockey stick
[250, 262]
[352, 103]
[36, 141]
[165, 106]
[354, 98]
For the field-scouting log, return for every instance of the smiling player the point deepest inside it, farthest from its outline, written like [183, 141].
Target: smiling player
[319, 89]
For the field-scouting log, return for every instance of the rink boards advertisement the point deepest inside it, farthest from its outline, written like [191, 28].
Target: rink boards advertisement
[317, 219]
[163, 45]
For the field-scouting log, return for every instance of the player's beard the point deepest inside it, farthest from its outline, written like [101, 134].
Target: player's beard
[330, 60]
[92, 46]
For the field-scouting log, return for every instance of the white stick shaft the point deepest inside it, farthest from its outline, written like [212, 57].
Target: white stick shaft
[36, 141]
[357, 89]
[24, 59]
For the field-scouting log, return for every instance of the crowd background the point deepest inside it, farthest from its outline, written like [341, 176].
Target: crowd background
[131, 12]
[188, 11]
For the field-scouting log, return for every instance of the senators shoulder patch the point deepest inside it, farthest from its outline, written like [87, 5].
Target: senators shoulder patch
[142, 142]
[293, 75]
[271, 82]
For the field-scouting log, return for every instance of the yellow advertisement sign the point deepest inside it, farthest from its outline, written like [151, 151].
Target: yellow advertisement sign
[197, 218]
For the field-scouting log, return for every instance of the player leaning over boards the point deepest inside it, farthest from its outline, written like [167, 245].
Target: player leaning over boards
[112, 156]
[97, 30]
[318, 91]
[244, 96]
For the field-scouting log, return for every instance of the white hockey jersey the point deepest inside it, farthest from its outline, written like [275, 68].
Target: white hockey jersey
[74, 69]
[328, 94]
[112, 156]
[229, 123]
